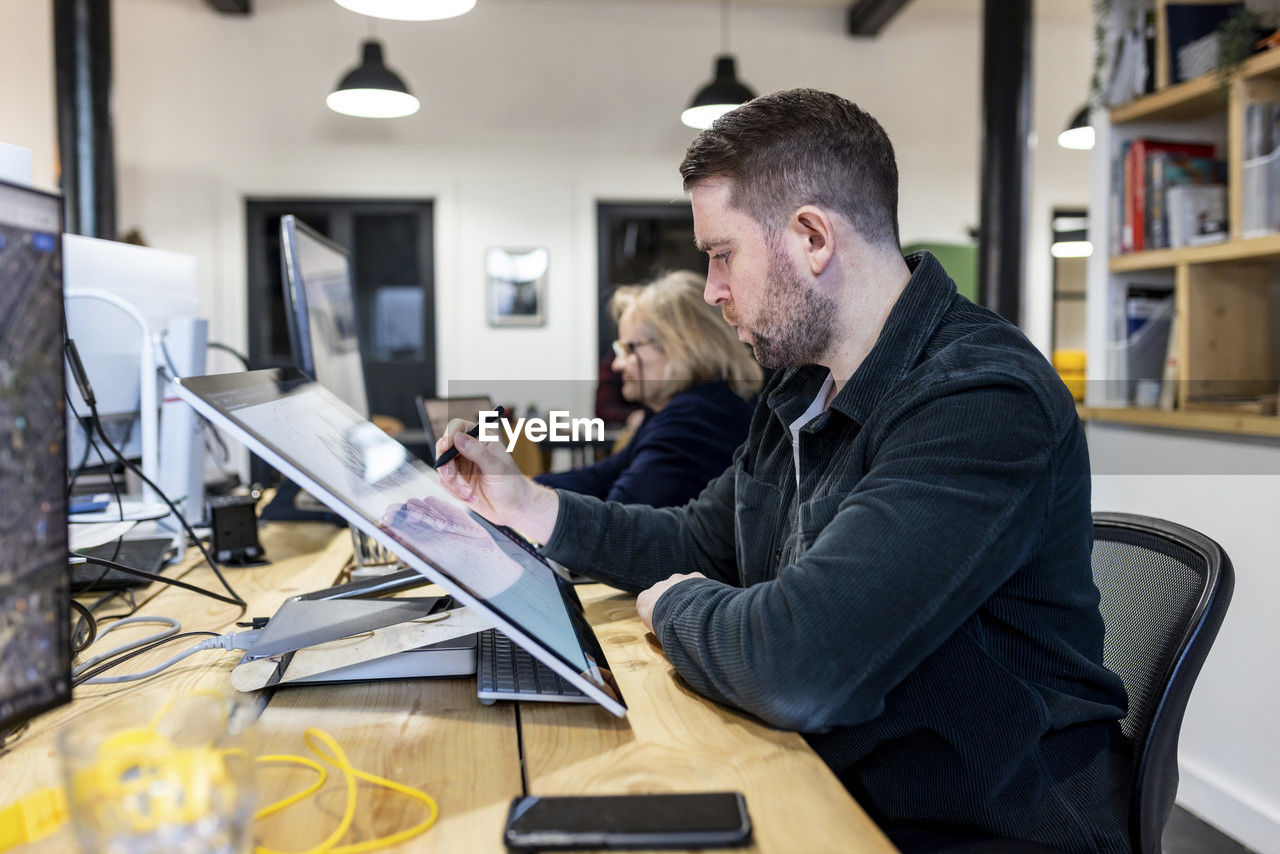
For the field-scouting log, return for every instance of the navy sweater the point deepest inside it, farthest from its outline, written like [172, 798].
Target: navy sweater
[674, 453]
[921, 606]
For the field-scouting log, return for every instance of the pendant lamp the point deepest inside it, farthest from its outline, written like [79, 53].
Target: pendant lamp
[724, 92]
[1079, 134]
[409, 10]
[371, 90]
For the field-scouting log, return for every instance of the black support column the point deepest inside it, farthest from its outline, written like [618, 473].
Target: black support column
[1006, 127]
[86, 148]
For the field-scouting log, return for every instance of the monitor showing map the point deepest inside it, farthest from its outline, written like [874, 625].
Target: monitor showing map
[35, 656]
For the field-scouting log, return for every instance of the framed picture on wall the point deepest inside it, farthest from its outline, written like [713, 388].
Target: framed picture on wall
[516, 286]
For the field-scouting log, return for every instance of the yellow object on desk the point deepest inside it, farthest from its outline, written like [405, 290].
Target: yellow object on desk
[152, 787]
[31, 818]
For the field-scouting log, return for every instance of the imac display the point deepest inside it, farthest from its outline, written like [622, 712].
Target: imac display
[133, 312]
[321, 307]
[35, 657]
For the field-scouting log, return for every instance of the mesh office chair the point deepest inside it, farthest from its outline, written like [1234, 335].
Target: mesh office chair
[1165, 590]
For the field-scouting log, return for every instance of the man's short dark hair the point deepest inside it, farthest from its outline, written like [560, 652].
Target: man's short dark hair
[801, 147]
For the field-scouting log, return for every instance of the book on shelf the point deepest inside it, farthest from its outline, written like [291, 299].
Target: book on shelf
[1115, 202]
[1261, 128]
[1260, 172]
[1133, 69]
[1172, 372]
[1141, 189]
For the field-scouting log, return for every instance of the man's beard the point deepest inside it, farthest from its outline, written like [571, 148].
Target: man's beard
[795, 325]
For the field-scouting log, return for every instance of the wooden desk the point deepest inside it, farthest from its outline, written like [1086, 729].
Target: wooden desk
[435, 734]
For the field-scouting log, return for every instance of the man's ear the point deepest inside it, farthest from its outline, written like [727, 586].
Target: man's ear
[815, 231]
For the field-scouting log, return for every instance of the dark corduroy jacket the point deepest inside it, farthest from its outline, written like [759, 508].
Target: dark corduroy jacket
[922, 606]
[674, 453]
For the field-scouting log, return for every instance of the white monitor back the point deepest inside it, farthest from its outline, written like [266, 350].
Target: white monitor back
[15, 165]
[162, 285]
[121, 300]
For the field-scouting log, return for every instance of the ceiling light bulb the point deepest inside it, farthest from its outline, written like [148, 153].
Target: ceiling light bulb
[409, 10]
[372, 103]
[1079, 134]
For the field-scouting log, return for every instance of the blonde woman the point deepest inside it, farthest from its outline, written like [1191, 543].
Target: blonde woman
[682, 363]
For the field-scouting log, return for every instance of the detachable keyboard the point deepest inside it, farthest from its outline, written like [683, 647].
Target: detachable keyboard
[145, 553]
[504, 671]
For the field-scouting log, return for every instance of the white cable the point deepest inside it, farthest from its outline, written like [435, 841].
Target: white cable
[173, 628]
[231, 640]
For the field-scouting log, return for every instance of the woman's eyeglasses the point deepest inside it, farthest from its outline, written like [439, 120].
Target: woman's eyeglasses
[622, 349]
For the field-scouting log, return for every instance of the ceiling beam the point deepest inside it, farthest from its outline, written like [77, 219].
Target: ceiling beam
[231, 7]
[868, 17]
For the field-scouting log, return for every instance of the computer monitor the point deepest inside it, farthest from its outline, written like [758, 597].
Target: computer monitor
[134, 313]
[321, 307]
[35, 645]
[435, 413]
[372, 481]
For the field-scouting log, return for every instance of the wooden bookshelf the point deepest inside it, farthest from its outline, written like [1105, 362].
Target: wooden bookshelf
[1265, 64]
[1206, 422]
[1213, 253]
[1187, 100]
[1198, 97]
[1225, 294]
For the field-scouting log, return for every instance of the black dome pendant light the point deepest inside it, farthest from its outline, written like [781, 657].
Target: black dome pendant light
[371, 90]
[724, 92]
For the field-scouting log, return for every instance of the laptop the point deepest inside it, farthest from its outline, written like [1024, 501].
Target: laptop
[148, 554]
[374, 483]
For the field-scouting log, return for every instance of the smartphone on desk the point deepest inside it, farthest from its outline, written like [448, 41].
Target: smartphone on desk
[678, 820]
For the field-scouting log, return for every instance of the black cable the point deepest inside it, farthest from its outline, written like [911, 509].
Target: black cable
[84, 459]
[121, 659]
[107, 596]
[176, 582]
[87, 616]
[88, 587]
[124, 593]
[235, 597]
[86, 392]
[243, 359]
[90, 442]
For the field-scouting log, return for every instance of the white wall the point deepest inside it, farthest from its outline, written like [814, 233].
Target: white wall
[1228, 488]
[532, 111]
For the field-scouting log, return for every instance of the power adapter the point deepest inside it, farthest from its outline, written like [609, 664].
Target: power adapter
[234, 522]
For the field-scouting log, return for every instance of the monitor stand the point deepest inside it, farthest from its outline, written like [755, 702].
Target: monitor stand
[337, 640]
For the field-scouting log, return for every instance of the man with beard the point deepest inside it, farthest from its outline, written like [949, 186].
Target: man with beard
[897, 564]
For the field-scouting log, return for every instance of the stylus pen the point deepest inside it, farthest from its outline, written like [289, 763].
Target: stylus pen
[452, 451]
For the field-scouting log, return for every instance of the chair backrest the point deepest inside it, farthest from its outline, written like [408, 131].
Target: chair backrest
[1165, 589]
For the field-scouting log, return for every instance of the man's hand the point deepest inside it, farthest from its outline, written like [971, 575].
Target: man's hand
[486, 479]
[648, 598]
